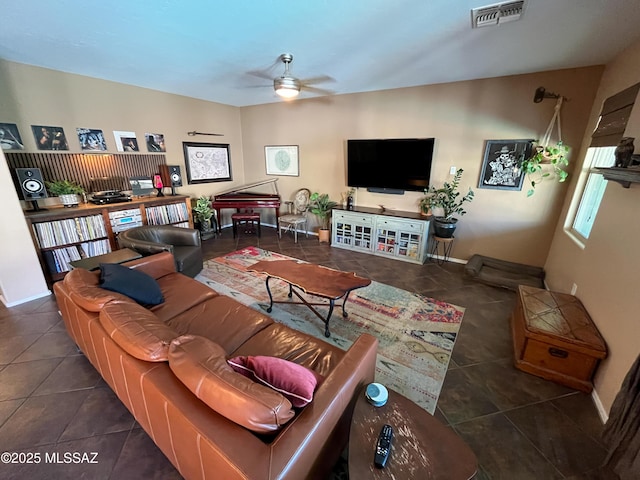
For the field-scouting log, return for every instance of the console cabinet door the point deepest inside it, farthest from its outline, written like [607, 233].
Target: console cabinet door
[352, 230]
[401, 238]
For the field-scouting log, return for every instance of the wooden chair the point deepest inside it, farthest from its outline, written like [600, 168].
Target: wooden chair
[296, 216]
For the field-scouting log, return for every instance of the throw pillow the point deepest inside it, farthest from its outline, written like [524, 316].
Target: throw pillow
[295, 382]
[136, 285]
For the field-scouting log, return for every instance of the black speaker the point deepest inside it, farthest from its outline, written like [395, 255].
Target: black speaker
[171, 176]
[31, 183]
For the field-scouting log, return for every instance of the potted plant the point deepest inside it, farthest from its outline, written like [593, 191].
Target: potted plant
[554, 155]
[447, 199]
[203, 213]
[321, 205]
[67, 191]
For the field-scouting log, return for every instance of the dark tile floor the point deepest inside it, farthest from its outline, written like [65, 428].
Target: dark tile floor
[52, 402]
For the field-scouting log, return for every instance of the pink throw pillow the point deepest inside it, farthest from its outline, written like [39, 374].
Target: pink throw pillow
[295, 382]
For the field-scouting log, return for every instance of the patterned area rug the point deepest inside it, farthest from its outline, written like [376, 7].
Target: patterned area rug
[416, 333]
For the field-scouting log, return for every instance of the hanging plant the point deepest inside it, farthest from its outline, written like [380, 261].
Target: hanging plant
[546, 153]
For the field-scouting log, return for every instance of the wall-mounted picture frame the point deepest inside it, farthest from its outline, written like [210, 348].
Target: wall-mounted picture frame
[91, 140]
[126, 141]
[282, 160]
[10, 137]
[501, 165]
[207, 162]
[155, 142]
[49, 138]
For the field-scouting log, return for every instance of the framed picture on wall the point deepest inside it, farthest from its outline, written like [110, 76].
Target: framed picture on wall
[282, 160]
[10, 137]
[49, 138]
[126, 141]
[207, 162]
[501, 165]
[91, 140]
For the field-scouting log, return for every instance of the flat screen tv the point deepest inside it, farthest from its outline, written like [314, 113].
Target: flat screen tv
[390, 165]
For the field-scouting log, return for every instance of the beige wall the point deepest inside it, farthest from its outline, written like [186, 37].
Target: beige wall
[461, 116]
[21, 278]
[38, 96]
[607, 270]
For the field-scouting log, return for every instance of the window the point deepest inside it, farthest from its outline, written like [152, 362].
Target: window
[593, 190]
[601, 153]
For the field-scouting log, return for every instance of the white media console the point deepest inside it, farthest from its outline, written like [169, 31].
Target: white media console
[389, 233]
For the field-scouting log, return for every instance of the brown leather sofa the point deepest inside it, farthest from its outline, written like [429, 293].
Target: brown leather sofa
[135, 348]
[183, 243]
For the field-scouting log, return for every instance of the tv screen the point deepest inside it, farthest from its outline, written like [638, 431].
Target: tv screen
[390, 165]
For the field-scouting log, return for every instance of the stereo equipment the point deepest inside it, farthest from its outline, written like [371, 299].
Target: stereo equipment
[171, 176]
[31, 185]
[125, 219]
[109, 196]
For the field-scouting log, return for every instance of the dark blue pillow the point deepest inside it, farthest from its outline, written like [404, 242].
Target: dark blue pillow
[134, 284]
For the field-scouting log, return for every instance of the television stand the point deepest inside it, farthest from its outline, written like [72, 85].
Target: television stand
[388, 233]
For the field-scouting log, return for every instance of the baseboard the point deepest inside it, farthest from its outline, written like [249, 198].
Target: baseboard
[24, 300]
[450, 259]
[604, 416]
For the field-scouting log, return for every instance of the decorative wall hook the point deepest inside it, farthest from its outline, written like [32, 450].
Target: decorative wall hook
[194, 133]
[541, 94]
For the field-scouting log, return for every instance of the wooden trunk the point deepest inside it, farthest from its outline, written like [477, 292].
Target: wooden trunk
[554, 338]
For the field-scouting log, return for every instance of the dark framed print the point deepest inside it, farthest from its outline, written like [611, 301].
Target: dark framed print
[10, 137]
[49, 138]
[91, 140]
[207, 162]
[501, 165]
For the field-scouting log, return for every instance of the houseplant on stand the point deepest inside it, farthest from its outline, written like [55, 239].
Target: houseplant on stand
[67, 191]
[321, 205]
[446, 199]
[203, 213]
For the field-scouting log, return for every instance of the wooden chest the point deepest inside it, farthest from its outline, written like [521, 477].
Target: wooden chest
[554, 338]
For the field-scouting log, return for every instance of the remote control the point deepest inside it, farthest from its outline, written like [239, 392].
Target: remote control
[383, 446]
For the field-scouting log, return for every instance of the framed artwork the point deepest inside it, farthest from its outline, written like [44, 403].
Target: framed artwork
[49, 138]
[126, 141]
[10, 137]
[155, 142]
[91, 140]
[207, 162]
[282, 160]
[501, 166]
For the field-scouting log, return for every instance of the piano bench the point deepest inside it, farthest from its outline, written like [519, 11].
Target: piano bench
[246, 218]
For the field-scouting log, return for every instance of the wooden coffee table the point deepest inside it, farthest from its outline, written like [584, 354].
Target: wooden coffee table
[314, 280]
[422, 447]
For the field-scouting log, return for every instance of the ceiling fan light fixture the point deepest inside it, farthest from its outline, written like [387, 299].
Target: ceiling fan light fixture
[287, 87]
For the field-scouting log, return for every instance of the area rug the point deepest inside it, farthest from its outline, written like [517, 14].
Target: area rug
[416, 334]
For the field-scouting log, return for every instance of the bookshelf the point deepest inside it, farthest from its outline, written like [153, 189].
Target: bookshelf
[62, 235]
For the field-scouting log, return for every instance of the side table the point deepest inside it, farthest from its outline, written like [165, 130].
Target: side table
[422, 447]
[117, 256]
[445, 244]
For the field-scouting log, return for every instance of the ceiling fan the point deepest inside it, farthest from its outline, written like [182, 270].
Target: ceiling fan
[287, 86]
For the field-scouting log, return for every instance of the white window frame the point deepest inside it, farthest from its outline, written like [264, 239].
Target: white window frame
[580, 220]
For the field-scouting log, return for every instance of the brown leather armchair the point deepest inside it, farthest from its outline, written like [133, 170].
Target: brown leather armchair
[183, 243]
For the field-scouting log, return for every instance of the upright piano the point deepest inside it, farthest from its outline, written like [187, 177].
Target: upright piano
[239, 197]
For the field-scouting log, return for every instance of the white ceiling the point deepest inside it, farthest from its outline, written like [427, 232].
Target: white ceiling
[207, 48]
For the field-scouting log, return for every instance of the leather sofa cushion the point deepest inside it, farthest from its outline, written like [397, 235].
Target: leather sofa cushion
[278, 340]
[137, 330]
[85, 291]
[180, 294]
[222, 320]
[202, 367]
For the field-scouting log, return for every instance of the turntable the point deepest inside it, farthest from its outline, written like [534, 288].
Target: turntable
[109, 196]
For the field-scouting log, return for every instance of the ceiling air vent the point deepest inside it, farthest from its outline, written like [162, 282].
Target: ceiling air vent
[496, 14]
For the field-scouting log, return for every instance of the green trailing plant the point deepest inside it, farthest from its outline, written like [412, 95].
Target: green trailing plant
[321, 205]
[203, 210]
[554, 155]
[64, 187]
[448, 198]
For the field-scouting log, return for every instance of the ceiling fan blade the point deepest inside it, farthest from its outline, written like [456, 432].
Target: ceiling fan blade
[318, 79]
[260, 74]
[322, 91]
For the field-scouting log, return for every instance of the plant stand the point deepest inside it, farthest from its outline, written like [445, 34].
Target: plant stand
[443, 244]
